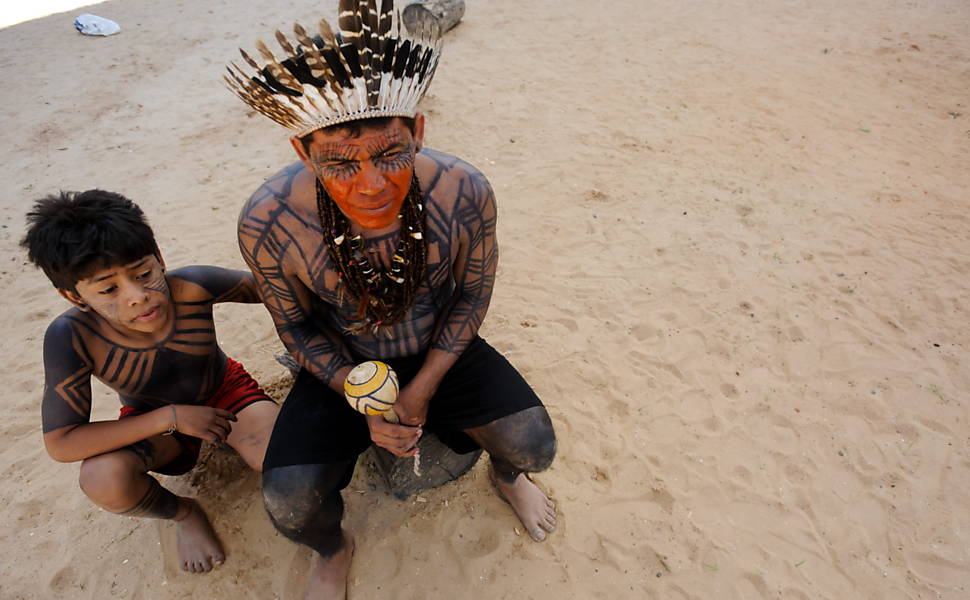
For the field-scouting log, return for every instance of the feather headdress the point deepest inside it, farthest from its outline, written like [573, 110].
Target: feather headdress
[367, 69]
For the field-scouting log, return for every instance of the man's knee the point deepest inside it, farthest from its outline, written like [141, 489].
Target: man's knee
[304, 504]
[301, 497]
[526, 440]
[538, 451]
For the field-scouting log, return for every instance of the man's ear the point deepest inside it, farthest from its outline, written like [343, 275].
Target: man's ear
[301, 152]
[419, 130]
[74, 299]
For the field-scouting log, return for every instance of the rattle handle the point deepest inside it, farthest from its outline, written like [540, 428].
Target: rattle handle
[390, 416]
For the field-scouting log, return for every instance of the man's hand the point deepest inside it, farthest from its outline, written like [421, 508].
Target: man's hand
[412, 405]
[399, 440]
[206, 422]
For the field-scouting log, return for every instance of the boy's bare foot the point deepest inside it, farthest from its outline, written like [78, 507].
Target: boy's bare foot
[328, 576]
[199, 548]
[536, 511]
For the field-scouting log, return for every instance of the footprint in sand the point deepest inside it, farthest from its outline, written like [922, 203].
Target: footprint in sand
[617, 408]
[643, 331]
[65, 582]
[469, 545]
[662, 497]
[568, 324]
[796, 475]
[712, 424]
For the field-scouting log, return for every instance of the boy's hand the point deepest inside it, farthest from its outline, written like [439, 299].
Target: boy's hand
[205, 422]
[399, 440]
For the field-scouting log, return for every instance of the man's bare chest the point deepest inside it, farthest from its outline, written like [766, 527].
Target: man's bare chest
[319, 273]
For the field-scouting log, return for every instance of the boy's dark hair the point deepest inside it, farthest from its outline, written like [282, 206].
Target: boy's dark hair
[355, 128]
[71, 235]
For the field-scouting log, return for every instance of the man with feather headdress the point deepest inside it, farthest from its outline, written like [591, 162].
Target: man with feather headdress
[374, 247]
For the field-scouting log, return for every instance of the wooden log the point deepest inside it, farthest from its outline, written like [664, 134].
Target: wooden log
[439, 465]
[446, 12]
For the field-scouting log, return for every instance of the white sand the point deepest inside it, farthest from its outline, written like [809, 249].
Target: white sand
[735, 265]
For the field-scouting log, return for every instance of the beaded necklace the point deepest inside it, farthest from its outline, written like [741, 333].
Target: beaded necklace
[383, 296]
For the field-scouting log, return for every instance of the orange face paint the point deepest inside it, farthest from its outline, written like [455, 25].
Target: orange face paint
[367, 176]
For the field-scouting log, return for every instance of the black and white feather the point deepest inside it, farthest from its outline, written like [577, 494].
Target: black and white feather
[369, 69]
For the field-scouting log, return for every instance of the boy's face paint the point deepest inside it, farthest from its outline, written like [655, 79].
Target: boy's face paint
[132, 298]
[368, 176]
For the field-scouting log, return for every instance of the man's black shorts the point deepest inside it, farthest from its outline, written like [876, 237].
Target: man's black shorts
[317, 426]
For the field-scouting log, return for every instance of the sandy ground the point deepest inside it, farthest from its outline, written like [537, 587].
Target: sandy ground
[735, 265]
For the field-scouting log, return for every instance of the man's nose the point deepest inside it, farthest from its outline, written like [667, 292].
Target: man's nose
[372, 180]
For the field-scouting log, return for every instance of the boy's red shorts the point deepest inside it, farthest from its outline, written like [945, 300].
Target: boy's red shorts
[237, 391]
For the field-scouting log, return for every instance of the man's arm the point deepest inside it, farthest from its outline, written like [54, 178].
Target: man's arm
[66, 407]
[474, 268]
[265, 243]
[474, 272]
[225, 285]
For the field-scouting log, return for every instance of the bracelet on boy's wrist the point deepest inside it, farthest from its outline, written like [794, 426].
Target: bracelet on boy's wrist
[175, 422]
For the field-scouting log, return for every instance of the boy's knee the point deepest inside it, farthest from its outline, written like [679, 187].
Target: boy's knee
[106, 477]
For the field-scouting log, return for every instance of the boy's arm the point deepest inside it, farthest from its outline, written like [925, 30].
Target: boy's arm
[77, 442]
[263, 242]
[225, 285]
[66, 407]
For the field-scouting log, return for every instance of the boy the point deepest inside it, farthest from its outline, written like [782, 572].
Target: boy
[149, 335]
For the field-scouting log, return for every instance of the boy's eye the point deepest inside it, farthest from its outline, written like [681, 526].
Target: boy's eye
[108, 290]
[144, 275]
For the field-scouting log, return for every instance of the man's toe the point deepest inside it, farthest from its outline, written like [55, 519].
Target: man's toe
[549, 524]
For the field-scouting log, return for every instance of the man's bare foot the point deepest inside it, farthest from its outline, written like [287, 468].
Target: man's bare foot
[199, 548]
[536, 511]
[328, 576]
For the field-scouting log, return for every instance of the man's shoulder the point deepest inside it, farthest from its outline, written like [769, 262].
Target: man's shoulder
[435, 164]
[283, 189]
[449, 181]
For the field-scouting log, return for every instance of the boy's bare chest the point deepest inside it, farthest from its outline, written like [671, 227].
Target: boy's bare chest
[182, 368]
